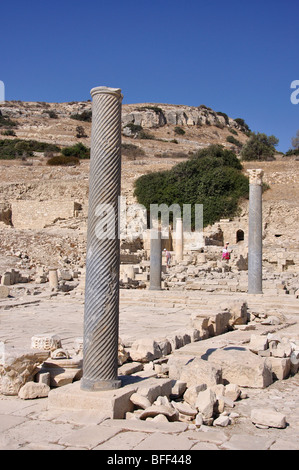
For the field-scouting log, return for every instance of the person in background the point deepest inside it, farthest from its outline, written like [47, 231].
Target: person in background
[225, 253]
[168, 257]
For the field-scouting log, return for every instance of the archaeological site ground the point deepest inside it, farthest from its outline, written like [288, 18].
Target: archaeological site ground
[204, 364]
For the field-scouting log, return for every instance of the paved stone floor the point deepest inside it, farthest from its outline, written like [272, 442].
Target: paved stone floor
[29, 424]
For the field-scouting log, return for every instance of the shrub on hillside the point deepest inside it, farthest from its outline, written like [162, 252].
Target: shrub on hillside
[62, 160]
[14, 148]
[232, 140]
[211, 177]
[131, 151]
[7, 122]
[78, 150]
[84, 116]
[179, 131]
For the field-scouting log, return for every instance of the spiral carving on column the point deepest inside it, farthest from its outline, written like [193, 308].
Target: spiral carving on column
[101, 313]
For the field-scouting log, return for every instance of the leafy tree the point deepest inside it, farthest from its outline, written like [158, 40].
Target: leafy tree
[211, 177]
[259, 147]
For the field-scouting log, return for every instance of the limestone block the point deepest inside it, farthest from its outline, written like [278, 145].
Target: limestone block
[200, 371]
[46, 342]
[281, 367]
[232, 391]
[155, 388]
[63, 371]
[184, 408]
[242, 367]
[294, 362]
[178, 388]
[280, 349]
[145, 350]
[238, 312]
[140, 401]
[218, 323]
[6, 279]
[33, 390]
[258, 343]
[169, 411]
[130, 368]
[65, 275]
[222, 421]
[42, 377]
[122, 354]
[176, 365]
[4, 292]
[205, 403]
[18, 367]
[268, 417]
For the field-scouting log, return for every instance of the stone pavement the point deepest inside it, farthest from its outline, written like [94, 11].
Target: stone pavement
[30, 424]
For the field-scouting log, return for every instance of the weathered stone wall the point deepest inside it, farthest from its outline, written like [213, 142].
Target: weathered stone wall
[38, 214]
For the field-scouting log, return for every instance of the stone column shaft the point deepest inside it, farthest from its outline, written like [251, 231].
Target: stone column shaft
[155, 260]
[179, 244]
[255, 233]
[101, 315]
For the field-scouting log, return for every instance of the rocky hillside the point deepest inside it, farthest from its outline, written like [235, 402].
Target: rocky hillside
[154, 137]
[177, 127]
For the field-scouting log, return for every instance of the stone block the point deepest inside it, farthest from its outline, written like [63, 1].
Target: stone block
[242, 367]
[113, 403]
[258, 343]
[145, 350]
[18, 367]
[46, 342]
[33, 390]
[4, 292]
[268, 417]
[205, 403]
[281, 367]
[199, 372]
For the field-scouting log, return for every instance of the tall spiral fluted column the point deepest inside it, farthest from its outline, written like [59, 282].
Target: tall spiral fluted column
[255, 241]
[101, 313]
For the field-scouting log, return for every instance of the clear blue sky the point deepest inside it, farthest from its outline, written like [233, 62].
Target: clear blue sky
[238, 57]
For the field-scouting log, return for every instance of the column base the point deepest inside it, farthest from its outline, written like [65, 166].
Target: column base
[101, 385]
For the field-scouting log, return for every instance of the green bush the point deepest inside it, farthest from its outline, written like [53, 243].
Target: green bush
[226, 118]
[9, 132]
[232, 140]
[243, 125]
[292, 152]
[78, 150]
[211, 177]
[179, 131]
[7, 122]
[84, 116]
[62, 160]
[14, 148]
[131, 151]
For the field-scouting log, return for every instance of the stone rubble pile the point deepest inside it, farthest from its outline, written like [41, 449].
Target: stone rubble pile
[200, 389]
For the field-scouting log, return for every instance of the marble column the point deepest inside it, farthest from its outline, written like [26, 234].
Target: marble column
[179, 243]
[101, 314]
[155, 259]
[255, 232]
